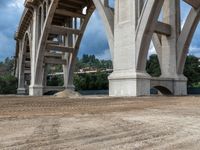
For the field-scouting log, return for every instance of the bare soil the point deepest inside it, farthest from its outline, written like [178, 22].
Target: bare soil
[95, 123]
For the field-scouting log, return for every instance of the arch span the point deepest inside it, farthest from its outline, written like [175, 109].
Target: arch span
[24, 65]
[56, 34]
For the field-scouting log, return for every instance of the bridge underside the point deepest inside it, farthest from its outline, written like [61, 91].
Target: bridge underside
[51, 31]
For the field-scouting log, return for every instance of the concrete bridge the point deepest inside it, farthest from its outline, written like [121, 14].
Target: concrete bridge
[50, 32]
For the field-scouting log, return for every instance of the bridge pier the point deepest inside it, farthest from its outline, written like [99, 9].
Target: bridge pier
[126, 80]
[168, 49]
[129, 84]
[36, 90]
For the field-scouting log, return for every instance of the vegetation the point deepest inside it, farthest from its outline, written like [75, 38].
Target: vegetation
[90, 61]
[191, 71]
[92, 81]
[97, 80]
[153, 67]
[8, 83]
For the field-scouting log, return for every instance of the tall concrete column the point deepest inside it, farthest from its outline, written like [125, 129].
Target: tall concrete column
[34, 89]
[68, 42]
[171, 16]
[126, 80]
[21, 86]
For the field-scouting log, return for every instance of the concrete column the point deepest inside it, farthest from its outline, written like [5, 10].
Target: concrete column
[171, 16]
[33, 88]
[69, 69]
[126, 80]
[21, 87]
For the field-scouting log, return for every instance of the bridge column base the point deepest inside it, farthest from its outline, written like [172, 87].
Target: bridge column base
[21, 91]
[180, 86]
[36, 90]
[129, 84]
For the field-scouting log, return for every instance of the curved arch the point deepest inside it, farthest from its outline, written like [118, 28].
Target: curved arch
[186, 36]
[24, 63]
[71, 57]
[107, 15]
[163, 90]
[38, 77]
[145, 31]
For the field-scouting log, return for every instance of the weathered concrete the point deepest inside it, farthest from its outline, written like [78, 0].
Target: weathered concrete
[56, 28]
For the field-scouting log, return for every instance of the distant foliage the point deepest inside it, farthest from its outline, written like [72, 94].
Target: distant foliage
[92, 81]
[153, 66]
[55, 81]
[192, 71]
[8, 83]
[90, 61]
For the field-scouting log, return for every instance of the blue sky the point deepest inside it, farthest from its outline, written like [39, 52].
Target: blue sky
[94, 41]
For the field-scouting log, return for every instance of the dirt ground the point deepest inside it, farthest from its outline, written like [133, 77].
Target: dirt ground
[49, 123]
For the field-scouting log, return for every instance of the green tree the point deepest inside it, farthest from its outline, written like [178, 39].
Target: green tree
[192, 71]
[153, 66]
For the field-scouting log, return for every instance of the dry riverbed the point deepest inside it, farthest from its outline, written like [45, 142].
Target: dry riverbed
[94, 123]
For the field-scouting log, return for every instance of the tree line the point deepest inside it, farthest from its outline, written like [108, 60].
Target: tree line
[97, 80]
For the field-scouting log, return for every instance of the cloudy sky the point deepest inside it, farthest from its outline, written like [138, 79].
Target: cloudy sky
[94, 41]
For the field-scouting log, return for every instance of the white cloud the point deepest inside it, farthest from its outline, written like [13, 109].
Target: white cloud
[105, 55]
[17, 4]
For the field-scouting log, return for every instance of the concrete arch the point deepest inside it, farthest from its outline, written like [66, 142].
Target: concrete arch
[186, 36]
[24, 63]
[75, 41]
[166, 87]
[145, 30]
[130, 29]
[163, 90]
[107, 15]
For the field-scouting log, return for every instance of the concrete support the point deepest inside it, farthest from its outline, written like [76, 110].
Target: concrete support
[21, 82]
[130, 27]
[171, 16]
[126, 80]
[33, 88]
[69, 42]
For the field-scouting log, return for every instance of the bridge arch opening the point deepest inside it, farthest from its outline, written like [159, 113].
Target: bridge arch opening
[95, 41]
[162, 90]
[95, 44]
[153, 67]
[25, 71]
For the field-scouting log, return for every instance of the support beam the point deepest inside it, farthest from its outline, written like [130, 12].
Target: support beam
[60, 48]
[54, 29]
[54, 55]
[66, 13]
[193, 3]
[54, 61]
[163, 28]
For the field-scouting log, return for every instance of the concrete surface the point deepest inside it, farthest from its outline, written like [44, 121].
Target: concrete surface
[86, 123]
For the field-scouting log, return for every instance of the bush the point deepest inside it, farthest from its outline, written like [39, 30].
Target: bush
[8, 84]
[55, 81]
[92, 81]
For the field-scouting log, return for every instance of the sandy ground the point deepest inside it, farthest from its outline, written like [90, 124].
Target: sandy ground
[49, 123]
